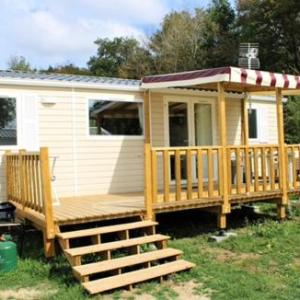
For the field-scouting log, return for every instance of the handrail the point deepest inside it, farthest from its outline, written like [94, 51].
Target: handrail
[29, 183]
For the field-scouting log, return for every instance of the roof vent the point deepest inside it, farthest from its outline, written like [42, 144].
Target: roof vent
[249, 56]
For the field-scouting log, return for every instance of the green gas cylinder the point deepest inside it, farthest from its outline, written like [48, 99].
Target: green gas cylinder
[8, 254]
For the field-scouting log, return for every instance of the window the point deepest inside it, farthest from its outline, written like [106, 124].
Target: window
[252, 118]
[114, 118]
[8, 121]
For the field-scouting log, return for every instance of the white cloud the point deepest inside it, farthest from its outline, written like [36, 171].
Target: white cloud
[54, 32]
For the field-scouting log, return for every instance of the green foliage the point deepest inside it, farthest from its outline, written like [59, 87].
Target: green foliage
[292, 120]
[68, 69]
[220, 42]
[176, 45]
[120, 57]
[273, 25]
[19, 63]
[7, 111]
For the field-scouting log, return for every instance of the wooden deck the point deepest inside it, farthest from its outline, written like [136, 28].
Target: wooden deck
[81, 209]
[98, 207]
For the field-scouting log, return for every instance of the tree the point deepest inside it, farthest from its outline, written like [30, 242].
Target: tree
[69, 68]
[220, 41]
[292, 120]
[274, 25]
[19, 63]
[120, 57]
[7, 112]
[176, 46]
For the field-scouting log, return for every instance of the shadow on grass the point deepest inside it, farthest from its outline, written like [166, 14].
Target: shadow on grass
[30, 247]
[192, 223]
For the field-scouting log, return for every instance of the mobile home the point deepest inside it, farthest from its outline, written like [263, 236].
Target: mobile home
[80, 149]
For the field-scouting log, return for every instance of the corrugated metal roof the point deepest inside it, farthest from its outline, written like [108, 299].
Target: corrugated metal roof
[68, 78]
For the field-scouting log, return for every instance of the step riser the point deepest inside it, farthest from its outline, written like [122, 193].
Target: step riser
[136, 249]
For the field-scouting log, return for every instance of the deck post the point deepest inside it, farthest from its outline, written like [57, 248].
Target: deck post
[283, 202]
[22, 178]
[8, 175]
[223, 142]
[49, 232]
[245, 121]
[147, 157]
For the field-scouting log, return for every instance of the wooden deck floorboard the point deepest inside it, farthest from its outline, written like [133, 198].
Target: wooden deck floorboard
[83, 209]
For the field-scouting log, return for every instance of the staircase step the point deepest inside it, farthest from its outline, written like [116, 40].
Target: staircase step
[122, 262]
[113, 282]
[116, 245]
[104, 229]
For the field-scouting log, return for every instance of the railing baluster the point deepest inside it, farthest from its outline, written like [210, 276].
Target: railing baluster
[294, 167]
[298, 166]
[178, 174]
[229, 166]
[256, 182]
[154, 175]
[238, 170]
[189, 174]
[210, 173]
[166, 172]
[220, 168]
[200, 173]
[39, 190]
[247, 170]
[272, 169]
[30, 182]
[264, 168]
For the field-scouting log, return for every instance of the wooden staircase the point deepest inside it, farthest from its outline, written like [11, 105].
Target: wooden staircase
[120, 255]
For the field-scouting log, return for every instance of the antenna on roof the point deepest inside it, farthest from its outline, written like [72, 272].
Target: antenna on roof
[249, 56]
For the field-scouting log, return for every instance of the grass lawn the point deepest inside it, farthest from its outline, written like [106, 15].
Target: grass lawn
[262, 262]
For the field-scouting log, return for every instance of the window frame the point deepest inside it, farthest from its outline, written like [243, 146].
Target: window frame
[112, 137]
[18, 119]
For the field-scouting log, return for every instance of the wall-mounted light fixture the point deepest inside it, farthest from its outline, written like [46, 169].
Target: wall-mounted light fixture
[48, 101]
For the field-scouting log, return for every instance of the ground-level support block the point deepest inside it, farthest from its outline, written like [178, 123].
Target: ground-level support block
[221, 237]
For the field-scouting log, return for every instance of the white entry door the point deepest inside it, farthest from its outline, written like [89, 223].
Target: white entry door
[189, 122]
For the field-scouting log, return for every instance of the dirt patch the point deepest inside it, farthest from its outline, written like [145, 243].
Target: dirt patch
[187, 291]
[184, 291]
[34, 293]
[296, 263]
[223, 255]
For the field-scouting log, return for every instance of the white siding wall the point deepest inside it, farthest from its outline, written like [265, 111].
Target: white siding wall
[87, 166]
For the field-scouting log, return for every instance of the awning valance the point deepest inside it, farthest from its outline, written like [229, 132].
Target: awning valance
[236, 79]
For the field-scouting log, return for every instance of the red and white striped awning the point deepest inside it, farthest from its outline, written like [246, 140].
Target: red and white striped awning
[237, 79]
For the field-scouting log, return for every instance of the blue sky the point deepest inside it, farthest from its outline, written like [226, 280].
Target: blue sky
[62, 31]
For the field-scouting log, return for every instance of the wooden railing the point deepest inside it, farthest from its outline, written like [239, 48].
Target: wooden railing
[185, 173]
[253, 169]
[195, 173]
[29, 184]
[293, 166]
